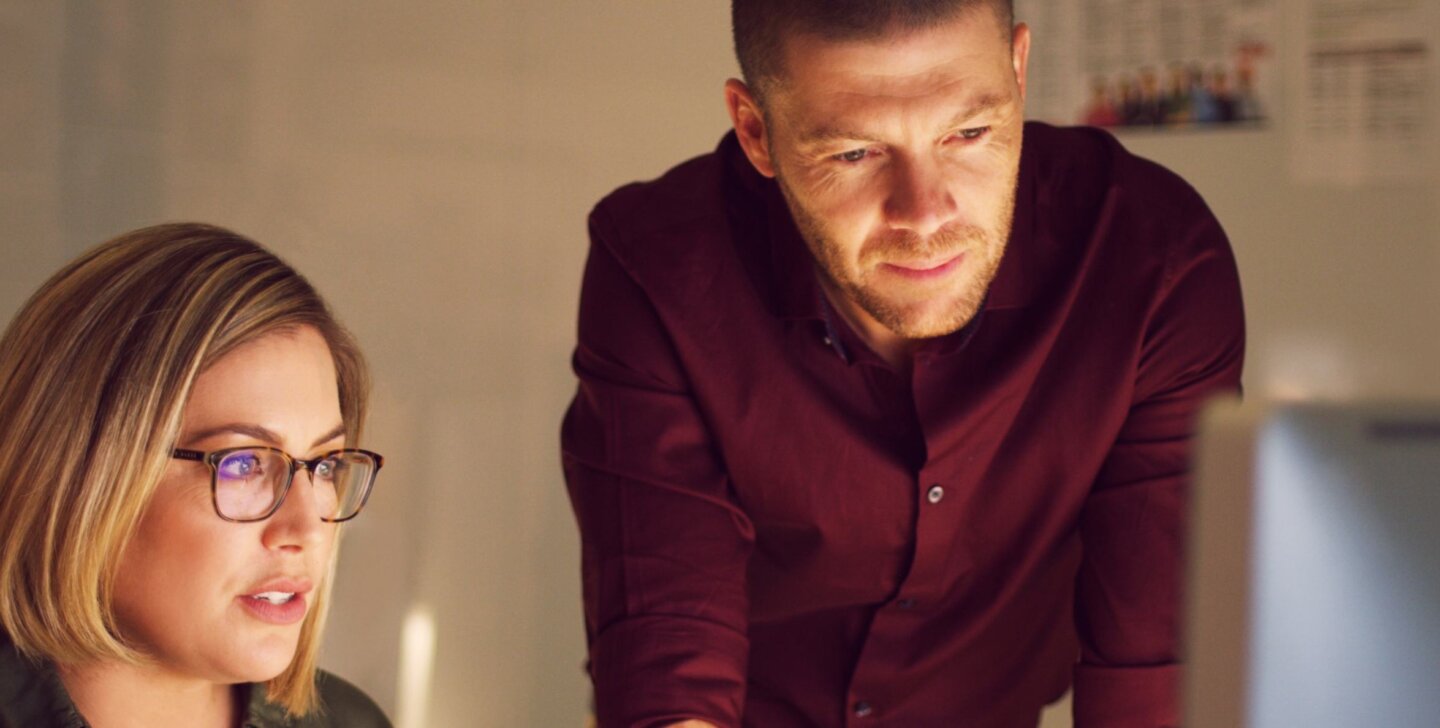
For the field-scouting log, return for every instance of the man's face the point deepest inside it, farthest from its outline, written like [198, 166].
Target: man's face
[899, 158]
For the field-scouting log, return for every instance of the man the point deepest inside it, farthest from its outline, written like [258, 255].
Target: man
[881, 420]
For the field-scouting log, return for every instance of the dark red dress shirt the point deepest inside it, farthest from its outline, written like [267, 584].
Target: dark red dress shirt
[780, 530]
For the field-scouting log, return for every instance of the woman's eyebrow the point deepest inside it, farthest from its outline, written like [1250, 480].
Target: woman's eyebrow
[237, 428]
[259, 432]
[339, 431]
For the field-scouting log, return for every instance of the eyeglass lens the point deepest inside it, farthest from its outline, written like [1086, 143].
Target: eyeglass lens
[248, 482]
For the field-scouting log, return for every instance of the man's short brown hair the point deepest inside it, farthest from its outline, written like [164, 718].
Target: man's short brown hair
[761, 26]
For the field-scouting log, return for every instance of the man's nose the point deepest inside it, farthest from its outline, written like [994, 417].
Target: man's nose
[920, 199]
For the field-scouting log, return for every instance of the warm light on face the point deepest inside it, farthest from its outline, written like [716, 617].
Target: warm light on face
[899, 159]
[219, 601]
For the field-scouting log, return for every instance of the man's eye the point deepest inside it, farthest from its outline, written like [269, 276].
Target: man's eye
[852, 156]
[971, 135]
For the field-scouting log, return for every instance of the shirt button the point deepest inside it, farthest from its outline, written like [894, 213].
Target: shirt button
[935, 494]
[863, 709]
[828, 341]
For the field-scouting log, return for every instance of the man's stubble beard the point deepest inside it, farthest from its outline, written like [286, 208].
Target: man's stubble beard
[983, 252]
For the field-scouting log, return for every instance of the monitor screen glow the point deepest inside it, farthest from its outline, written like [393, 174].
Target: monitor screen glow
[1314, 596]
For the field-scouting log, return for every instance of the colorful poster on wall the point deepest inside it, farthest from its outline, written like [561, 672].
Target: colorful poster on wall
[1155, 64]
[1364, 108]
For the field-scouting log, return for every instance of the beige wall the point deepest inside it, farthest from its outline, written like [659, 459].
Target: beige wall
[431, 167]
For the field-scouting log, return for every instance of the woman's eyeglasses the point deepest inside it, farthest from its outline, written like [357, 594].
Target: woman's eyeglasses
[250, 483]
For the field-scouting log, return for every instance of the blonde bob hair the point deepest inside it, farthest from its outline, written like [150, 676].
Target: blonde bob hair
[95, 371]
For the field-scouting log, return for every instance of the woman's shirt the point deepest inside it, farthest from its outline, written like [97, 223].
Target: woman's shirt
[32, 696]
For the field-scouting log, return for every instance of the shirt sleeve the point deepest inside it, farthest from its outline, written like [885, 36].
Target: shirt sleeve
[664, 546]
[1128, 594]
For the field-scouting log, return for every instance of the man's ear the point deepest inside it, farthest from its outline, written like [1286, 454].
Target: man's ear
[749, 123]
[1020, 54]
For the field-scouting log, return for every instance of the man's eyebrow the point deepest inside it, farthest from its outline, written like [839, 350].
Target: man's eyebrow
[827, 134]
[988, 102]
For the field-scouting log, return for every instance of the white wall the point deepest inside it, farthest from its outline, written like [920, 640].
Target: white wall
[430, 167]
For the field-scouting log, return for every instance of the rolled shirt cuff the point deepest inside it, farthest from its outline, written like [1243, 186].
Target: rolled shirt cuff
[653, 671]
[1127, 697]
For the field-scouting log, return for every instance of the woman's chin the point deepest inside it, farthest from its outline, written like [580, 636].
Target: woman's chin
[266, 660]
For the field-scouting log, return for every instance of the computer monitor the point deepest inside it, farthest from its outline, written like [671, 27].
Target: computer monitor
[1314, 590]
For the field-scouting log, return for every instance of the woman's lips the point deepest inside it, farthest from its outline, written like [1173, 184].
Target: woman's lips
[924, 271]
[287, 612]
[278, 600]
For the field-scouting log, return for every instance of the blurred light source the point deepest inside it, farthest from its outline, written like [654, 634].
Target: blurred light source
[417, 659]
[1305, 365]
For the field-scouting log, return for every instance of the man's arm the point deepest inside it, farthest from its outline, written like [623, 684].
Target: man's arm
[1129, 600]
[664, 547]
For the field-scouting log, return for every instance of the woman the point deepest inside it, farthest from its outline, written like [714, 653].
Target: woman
[175, 411]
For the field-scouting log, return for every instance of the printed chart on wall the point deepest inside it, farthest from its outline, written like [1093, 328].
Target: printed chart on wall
[1164, 65]
[1363, 105]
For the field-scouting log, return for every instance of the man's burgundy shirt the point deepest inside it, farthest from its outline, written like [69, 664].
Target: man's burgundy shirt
[779, 529]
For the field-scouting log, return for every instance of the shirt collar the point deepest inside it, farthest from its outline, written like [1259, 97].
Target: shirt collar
[1014, 284]
[774, 253]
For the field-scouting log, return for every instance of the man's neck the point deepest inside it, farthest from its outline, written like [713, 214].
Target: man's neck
[112, 695]
[896, 350]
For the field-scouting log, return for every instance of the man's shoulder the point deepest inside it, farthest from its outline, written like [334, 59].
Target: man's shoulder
[690, 194]
[1086, 166]
[1093, 194]
[680, 218]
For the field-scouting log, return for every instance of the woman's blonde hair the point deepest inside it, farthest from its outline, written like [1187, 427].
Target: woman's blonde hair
[95, 371]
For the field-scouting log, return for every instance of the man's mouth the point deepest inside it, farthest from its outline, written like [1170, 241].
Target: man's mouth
[923, 270]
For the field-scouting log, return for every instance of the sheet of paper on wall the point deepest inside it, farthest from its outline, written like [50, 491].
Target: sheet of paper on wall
[1364, 96]
[1161, 65]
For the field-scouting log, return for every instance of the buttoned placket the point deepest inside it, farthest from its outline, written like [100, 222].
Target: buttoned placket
[923, 581]
[831, 338]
